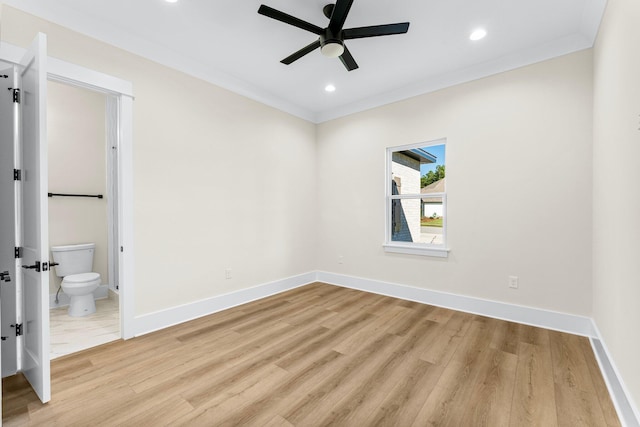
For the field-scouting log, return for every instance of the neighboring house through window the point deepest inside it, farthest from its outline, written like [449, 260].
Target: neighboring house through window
[416, 199]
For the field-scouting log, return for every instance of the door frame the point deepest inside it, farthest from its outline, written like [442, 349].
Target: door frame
[122, 92]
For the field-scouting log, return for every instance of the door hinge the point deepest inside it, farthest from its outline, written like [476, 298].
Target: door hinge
[18, 329]
[16, 96]
[17, 175]
[17, 252]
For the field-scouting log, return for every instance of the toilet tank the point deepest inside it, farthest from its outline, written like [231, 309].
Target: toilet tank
[73, 259]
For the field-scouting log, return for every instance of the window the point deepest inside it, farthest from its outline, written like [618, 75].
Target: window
[416, 199]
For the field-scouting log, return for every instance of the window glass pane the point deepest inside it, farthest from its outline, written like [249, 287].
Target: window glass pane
[414, 169]
[417, 220]
[418, 175]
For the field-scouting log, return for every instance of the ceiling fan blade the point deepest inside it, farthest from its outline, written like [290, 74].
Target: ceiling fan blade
[302, 52]
[348, 61]
[376, 30]
[288, 19]
[339, 15]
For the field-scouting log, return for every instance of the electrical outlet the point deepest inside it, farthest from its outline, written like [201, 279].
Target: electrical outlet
[227, 273]
[340, 259]
[513, 282]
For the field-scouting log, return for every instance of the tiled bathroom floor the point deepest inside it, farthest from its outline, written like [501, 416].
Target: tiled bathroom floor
[72, 334]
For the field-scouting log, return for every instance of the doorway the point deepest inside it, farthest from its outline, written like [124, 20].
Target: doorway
[82, 178]
[119, 128]
[26, 197]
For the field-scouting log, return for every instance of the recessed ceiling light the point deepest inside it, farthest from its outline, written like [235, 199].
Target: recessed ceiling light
[171, 1]
[478, 34]
[330, 88]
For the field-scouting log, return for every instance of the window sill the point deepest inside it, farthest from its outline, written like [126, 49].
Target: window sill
[417, 250]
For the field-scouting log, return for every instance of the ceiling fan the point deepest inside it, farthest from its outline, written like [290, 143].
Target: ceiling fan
[331, 40]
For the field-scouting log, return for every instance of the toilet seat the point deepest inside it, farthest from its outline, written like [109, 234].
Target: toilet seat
[81, 278]
[80, 281]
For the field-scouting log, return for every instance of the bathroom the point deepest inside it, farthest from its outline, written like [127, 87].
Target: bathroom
[81, 167]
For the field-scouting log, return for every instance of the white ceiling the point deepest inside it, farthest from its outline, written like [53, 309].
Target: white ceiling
[229, 44]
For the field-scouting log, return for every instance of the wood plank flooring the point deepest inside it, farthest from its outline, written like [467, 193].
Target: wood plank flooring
[322, 355]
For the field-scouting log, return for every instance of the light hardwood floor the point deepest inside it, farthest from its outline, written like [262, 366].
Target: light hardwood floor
[322, 355]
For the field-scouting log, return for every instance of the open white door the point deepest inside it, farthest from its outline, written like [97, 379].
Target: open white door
[8, 224]
[35, 238]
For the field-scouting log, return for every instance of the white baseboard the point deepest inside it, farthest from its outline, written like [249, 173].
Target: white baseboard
[183, 313]
[63, 299]
[578, 325]
[627, 411]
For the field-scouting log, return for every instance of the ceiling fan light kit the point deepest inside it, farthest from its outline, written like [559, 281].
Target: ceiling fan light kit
[331, 39]
[331, 48]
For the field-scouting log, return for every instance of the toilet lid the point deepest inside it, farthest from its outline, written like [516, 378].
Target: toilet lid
[82, 277]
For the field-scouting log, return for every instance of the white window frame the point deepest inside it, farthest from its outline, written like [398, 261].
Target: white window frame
[412, 248]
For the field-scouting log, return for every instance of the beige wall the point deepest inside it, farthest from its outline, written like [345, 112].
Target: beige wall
[77, 164]
[616, 199]
[518, 187]
[220, 181]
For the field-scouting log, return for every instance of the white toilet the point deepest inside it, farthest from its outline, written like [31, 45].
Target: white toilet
[75, 263]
